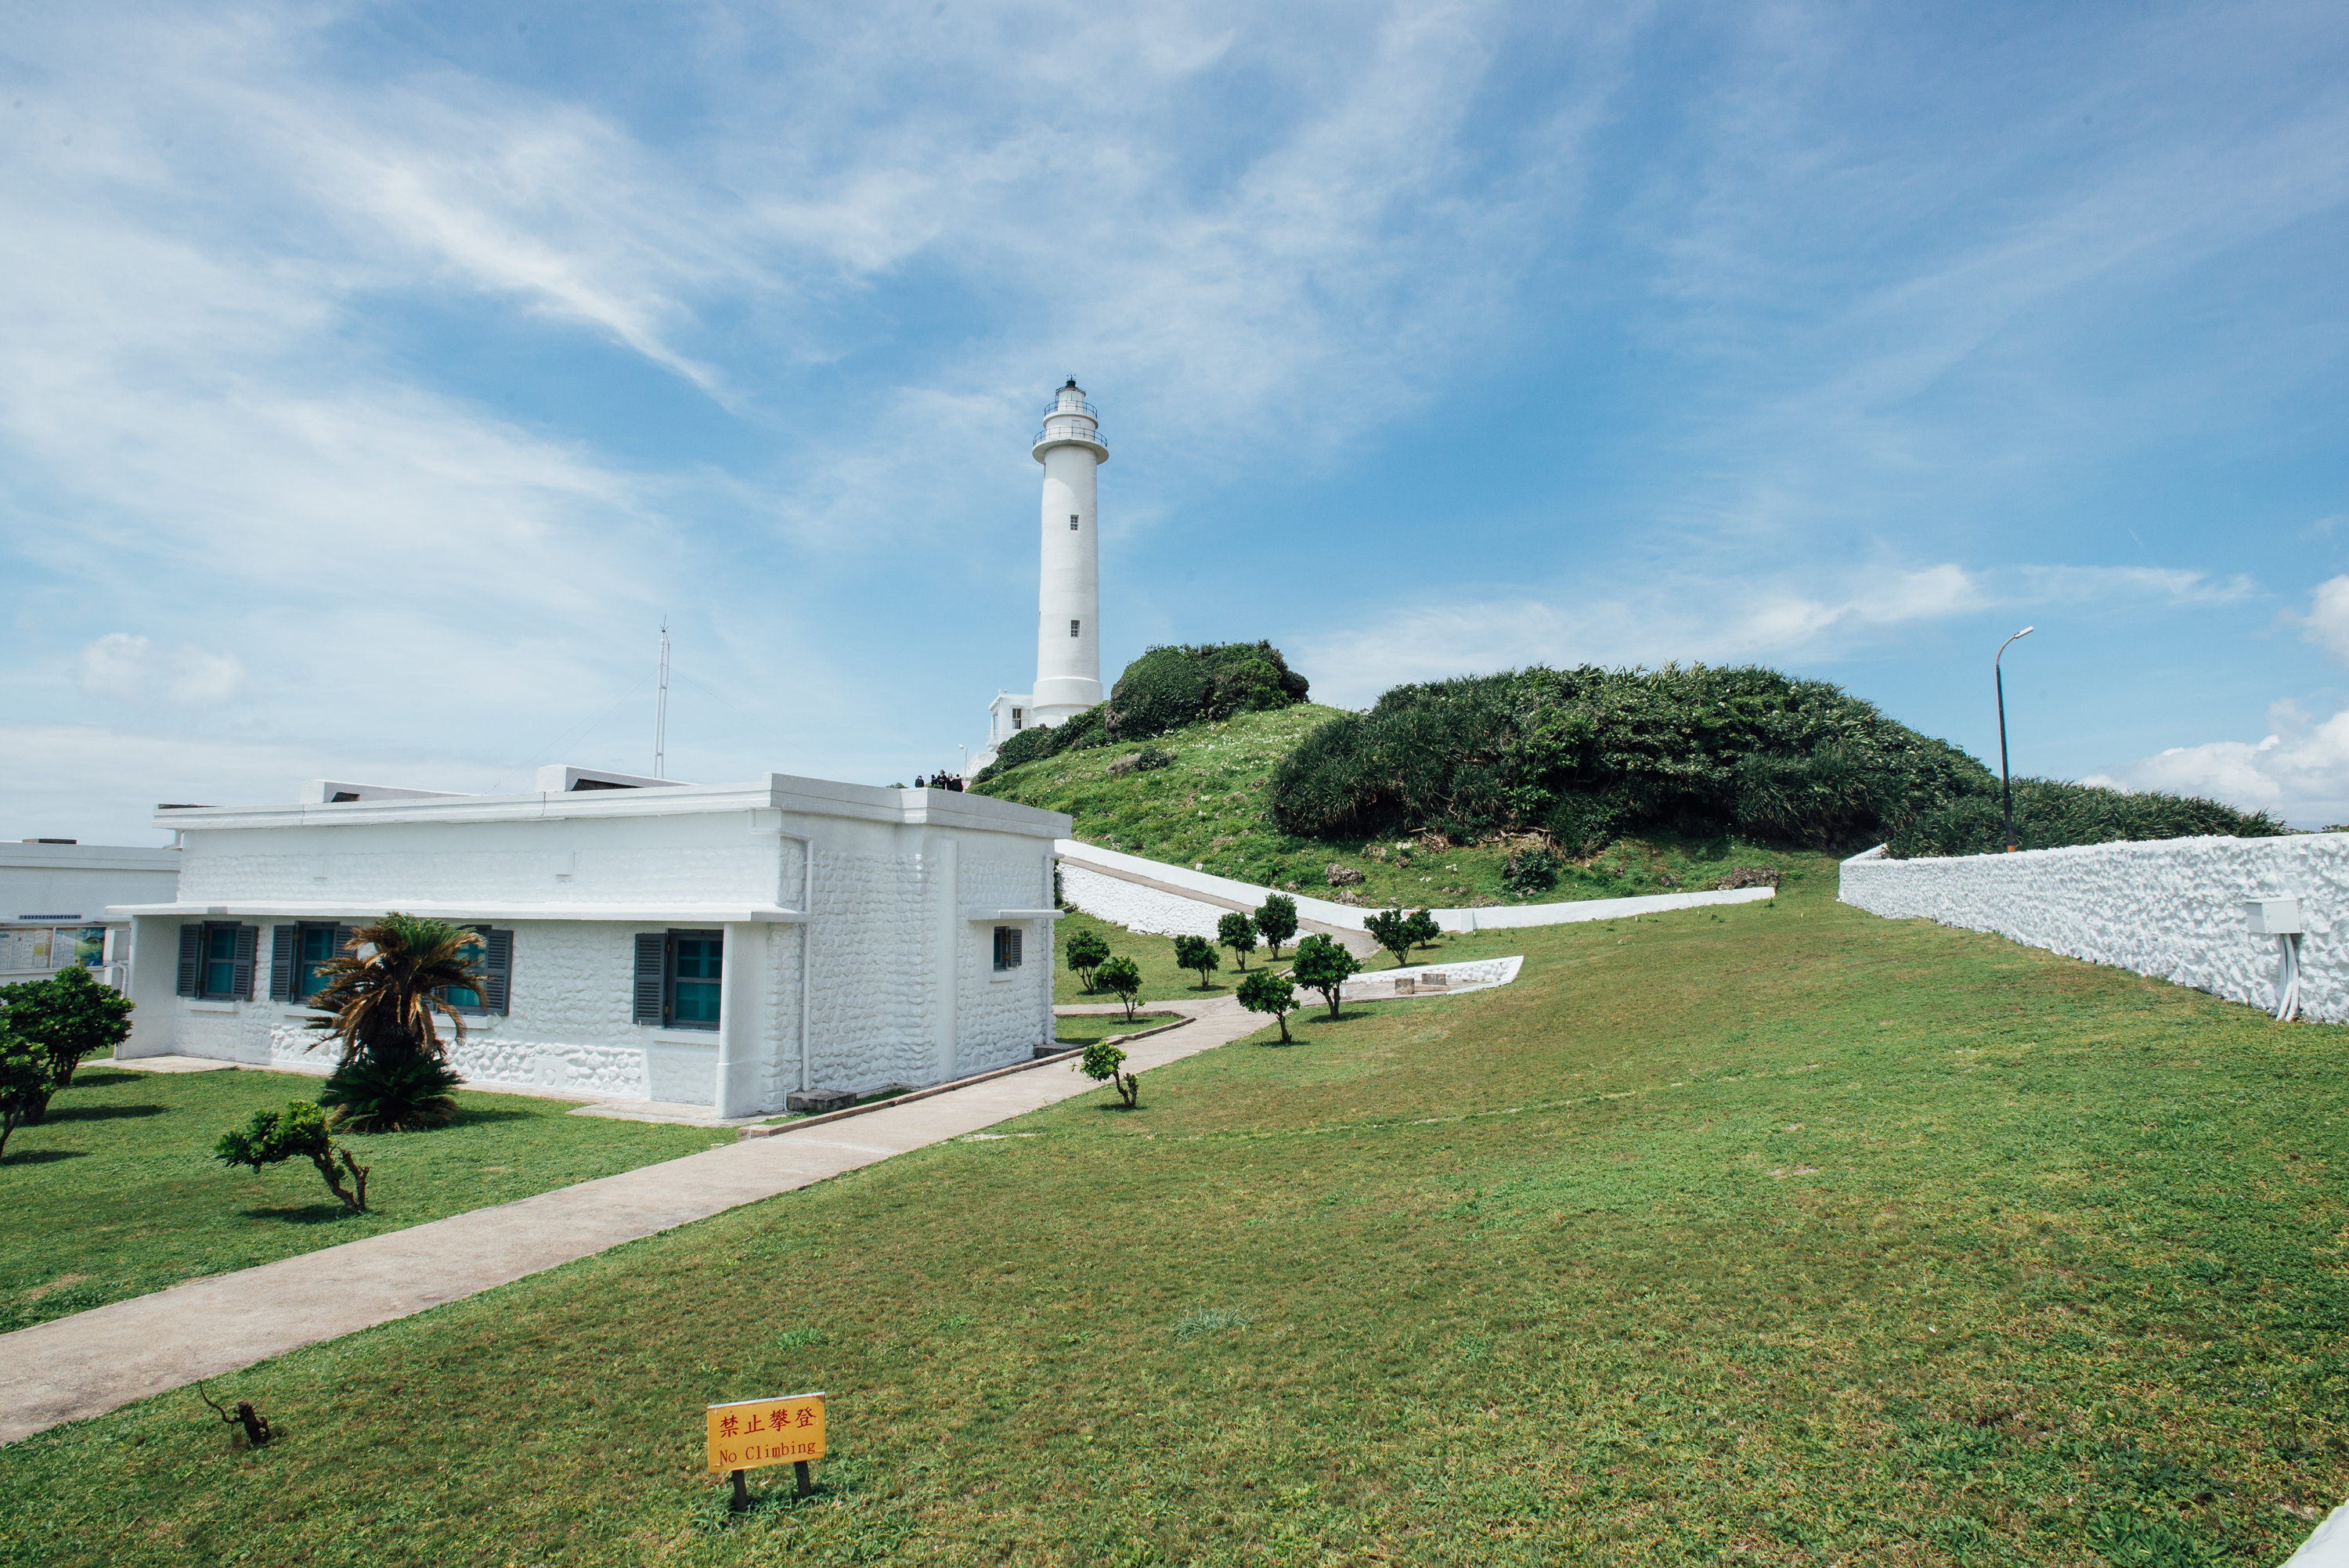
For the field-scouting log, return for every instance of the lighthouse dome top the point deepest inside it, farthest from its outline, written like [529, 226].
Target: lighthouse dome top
[1070, 420]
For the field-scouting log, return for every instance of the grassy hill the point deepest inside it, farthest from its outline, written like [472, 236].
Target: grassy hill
[1777, 1234]
[1208, 809]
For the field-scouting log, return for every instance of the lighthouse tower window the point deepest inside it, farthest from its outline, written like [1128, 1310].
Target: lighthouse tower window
[1072, 522]
[1073, 628]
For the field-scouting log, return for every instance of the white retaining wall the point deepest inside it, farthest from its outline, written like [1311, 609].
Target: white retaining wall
[2172, 909]
[1188, 903]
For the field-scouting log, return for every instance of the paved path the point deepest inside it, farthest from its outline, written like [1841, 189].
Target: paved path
[71, 1369]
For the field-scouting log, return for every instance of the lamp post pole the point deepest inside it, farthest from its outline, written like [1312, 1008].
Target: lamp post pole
[2005, 782]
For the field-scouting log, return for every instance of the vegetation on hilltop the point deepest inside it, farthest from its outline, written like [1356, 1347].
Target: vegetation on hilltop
[1207, 808]
[1586, 755]
[1165, 688]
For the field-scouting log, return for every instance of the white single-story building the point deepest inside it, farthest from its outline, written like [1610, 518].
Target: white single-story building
[718, 945]
[54, 894]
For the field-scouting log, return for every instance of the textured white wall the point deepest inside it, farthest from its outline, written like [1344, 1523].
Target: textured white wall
[1157, 911]
[2171, 909]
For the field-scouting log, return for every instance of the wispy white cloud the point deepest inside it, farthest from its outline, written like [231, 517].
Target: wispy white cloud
[1717, 620]
[2298, 771]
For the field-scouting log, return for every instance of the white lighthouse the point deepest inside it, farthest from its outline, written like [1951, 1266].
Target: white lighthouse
[1068, 603]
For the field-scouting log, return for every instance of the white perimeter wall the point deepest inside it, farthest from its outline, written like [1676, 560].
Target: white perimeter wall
[2172, 909]
[1188, 903]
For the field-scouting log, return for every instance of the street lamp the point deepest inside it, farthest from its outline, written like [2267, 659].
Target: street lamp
[2006, 784]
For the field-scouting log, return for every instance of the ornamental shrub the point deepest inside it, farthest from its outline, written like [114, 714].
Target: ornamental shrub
[1277, 920]
[1323, 966]
[300, 1129]
[1121, 977]
[1424, 930]
[27, 1080]
[1039, 741]
[1197, 953]
[1102, 1062]
[1590, 754]
[69, 1015]
[1085, 952]
[1392, 930]
[1266, 992]
[1237, 932]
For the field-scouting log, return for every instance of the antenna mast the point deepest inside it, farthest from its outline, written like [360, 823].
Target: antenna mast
[660, 710]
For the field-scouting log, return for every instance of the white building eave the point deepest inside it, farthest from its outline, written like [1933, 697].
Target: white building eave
[776, 792]
[486, 912]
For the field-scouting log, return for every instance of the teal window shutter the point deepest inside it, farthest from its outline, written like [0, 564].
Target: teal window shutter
[248, 941]
[281, 962]
[651, 949]
[497, 969]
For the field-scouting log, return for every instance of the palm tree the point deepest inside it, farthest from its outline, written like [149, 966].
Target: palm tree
[378, 1000]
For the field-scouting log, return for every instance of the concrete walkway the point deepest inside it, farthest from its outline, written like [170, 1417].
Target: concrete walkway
[71, 1369]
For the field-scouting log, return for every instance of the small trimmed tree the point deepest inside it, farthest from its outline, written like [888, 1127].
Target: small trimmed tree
[1425, 932]
[1237, 932]
[69, 1015]
[1197, 953]
[1086, 951]
[25, 1082]
[1323, 966]
[1278, 921]
[1121, 977]
[1264, 992]
[1102, 1062]
[300, 1129]
[1392, 929]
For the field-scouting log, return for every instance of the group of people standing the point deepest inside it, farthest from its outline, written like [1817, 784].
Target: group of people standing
[942, 781]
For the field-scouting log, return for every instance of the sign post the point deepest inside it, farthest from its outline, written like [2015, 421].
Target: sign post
[751, 1434]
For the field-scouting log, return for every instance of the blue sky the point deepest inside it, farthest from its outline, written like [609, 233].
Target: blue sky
[374, 379]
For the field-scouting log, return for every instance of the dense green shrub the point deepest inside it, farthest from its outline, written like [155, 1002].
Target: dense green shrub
[1237, 932]
[1086, 950]
[390, 1092]
[1325, 966]
[1393, 930]
[68, 1016]
[299, 1129]
[1197, 953]
[2049, 813]
[1589, 754]
[1530, 871]
[1278, 921]
[27, 1080]
[1039, 741]
[1266, 992]
[1121, 977]
[1168, 688]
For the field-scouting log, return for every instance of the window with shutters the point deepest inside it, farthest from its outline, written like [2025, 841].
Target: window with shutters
[298, 956]
[679, 974]
[492, 958]
[1006, 947]
[216, 961]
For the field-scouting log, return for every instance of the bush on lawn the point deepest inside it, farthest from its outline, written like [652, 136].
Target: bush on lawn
[1530, 871]
[1589, 754]
[378, 1000]
[300, 1129]
[1237, 932]
[1392, 930]
[1197, 953]
[1086, 950]
[1323, 966]
[1266, 992]
[1277, 920]
[68, 1016]
[1121, 977]
[1424, 930]
[1102, 1062]
[26, 1081]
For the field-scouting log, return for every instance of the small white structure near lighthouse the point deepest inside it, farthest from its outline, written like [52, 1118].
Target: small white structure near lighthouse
[1068, 603]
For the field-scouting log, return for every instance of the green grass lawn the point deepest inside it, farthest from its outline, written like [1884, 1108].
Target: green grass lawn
[116, 1193]
[1777, 1234]
[1208, 809]
[1085, 1030]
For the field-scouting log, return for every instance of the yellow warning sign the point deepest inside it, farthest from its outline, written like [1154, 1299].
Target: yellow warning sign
[749, 1433]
